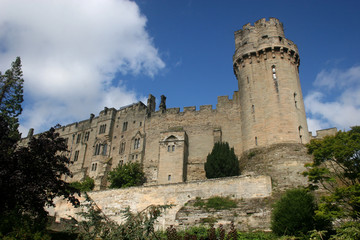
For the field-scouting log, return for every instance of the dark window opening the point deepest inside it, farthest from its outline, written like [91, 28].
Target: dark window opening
[102, 128]
[94, 167]
[76, 156]
[125, 124]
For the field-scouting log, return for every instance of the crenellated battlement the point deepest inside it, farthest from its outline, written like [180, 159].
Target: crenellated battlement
[251, 34]
[263, 40]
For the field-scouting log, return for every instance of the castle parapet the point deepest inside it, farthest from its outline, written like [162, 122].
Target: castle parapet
[190, 109]
[205, 107]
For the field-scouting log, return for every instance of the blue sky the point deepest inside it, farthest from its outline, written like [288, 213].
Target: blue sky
[80, 56]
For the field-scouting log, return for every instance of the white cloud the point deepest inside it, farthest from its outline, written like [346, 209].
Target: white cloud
[342, 87]
[71, 51]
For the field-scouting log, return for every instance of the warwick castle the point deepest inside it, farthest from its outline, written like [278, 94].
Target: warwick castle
[264, 121]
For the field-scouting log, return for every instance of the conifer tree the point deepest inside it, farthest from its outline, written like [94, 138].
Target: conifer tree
[11, 96]
[222, 162]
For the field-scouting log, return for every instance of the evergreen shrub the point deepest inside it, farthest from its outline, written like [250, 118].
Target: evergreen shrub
[222, 162]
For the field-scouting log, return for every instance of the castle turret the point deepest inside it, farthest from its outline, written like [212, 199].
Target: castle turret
[266, 65]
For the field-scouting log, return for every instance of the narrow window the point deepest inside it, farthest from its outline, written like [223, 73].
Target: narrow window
[93, 167]
[125, 124]
[104, 149]
[138, 143]
[168, 148]
[140, 124]
[86, 137]
[253, 109]
[173, 147]
[76, 156]
[256, 141]
[97, 149]
[247, 79]
[78, 138]
[121, 162]
[274, 72]
[132, 157]
[136, 156]
[135, 143]
[122, 147]
[169, 177]
[295, 100]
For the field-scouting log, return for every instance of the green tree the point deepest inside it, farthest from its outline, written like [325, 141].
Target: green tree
[336, 167]
[86, 185]
[127, 175]
[30, 176]
[293, 213]
[222, 162]
[11, 96]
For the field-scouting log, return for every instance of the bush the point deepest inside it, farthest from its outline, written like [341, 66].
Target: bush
[222, 162]
[127, 175]
[86, 185]
[293, 213]
[220, 203]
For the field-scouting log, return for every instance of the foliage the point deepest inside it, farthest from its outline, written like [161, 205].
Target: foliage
[220, 203]
[216, 202]
[336, 167]
[222, 161]
[348, 230]
[11, 97]
[86, 185]
[293, 213]
[136, 225]
[21, 226]
[212, 233]
[30, 176]
[127, 175]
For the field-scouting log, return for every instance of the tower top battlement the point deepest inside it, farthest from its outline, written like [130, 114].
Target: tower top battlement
[264, 34]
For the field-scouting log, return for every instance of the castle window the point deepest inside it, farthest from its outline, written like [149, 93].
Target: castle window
[93, 166]
[169, 177]
[295, 100]
[247, 79]
[136, 143]
[169, 148]
[132, 157]
[274, 72]
[97, 149]
[122, 147]
[104, 149]
[140, 124]
[136, 156]
[253, 109]
[256, 141]
[121, 162]
[125, 124]
[78, 138]
[173, 147]
[102, 128]
[76, 156]
[86, 136]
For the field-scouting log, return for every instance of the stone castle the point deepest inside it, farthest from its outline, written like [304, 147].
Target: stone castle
[264, 121]
[172, 146]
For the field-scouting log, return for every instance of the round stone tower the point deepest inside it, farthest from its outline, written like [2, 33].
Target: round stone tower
[266, 65]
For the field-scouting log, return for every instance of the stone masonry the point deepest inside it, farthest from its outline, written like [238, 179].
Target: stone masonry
[172, 145]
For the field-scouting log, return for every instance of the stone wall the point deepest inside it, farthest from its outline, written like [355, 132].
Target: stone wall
[243, 188]
[284, 163]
